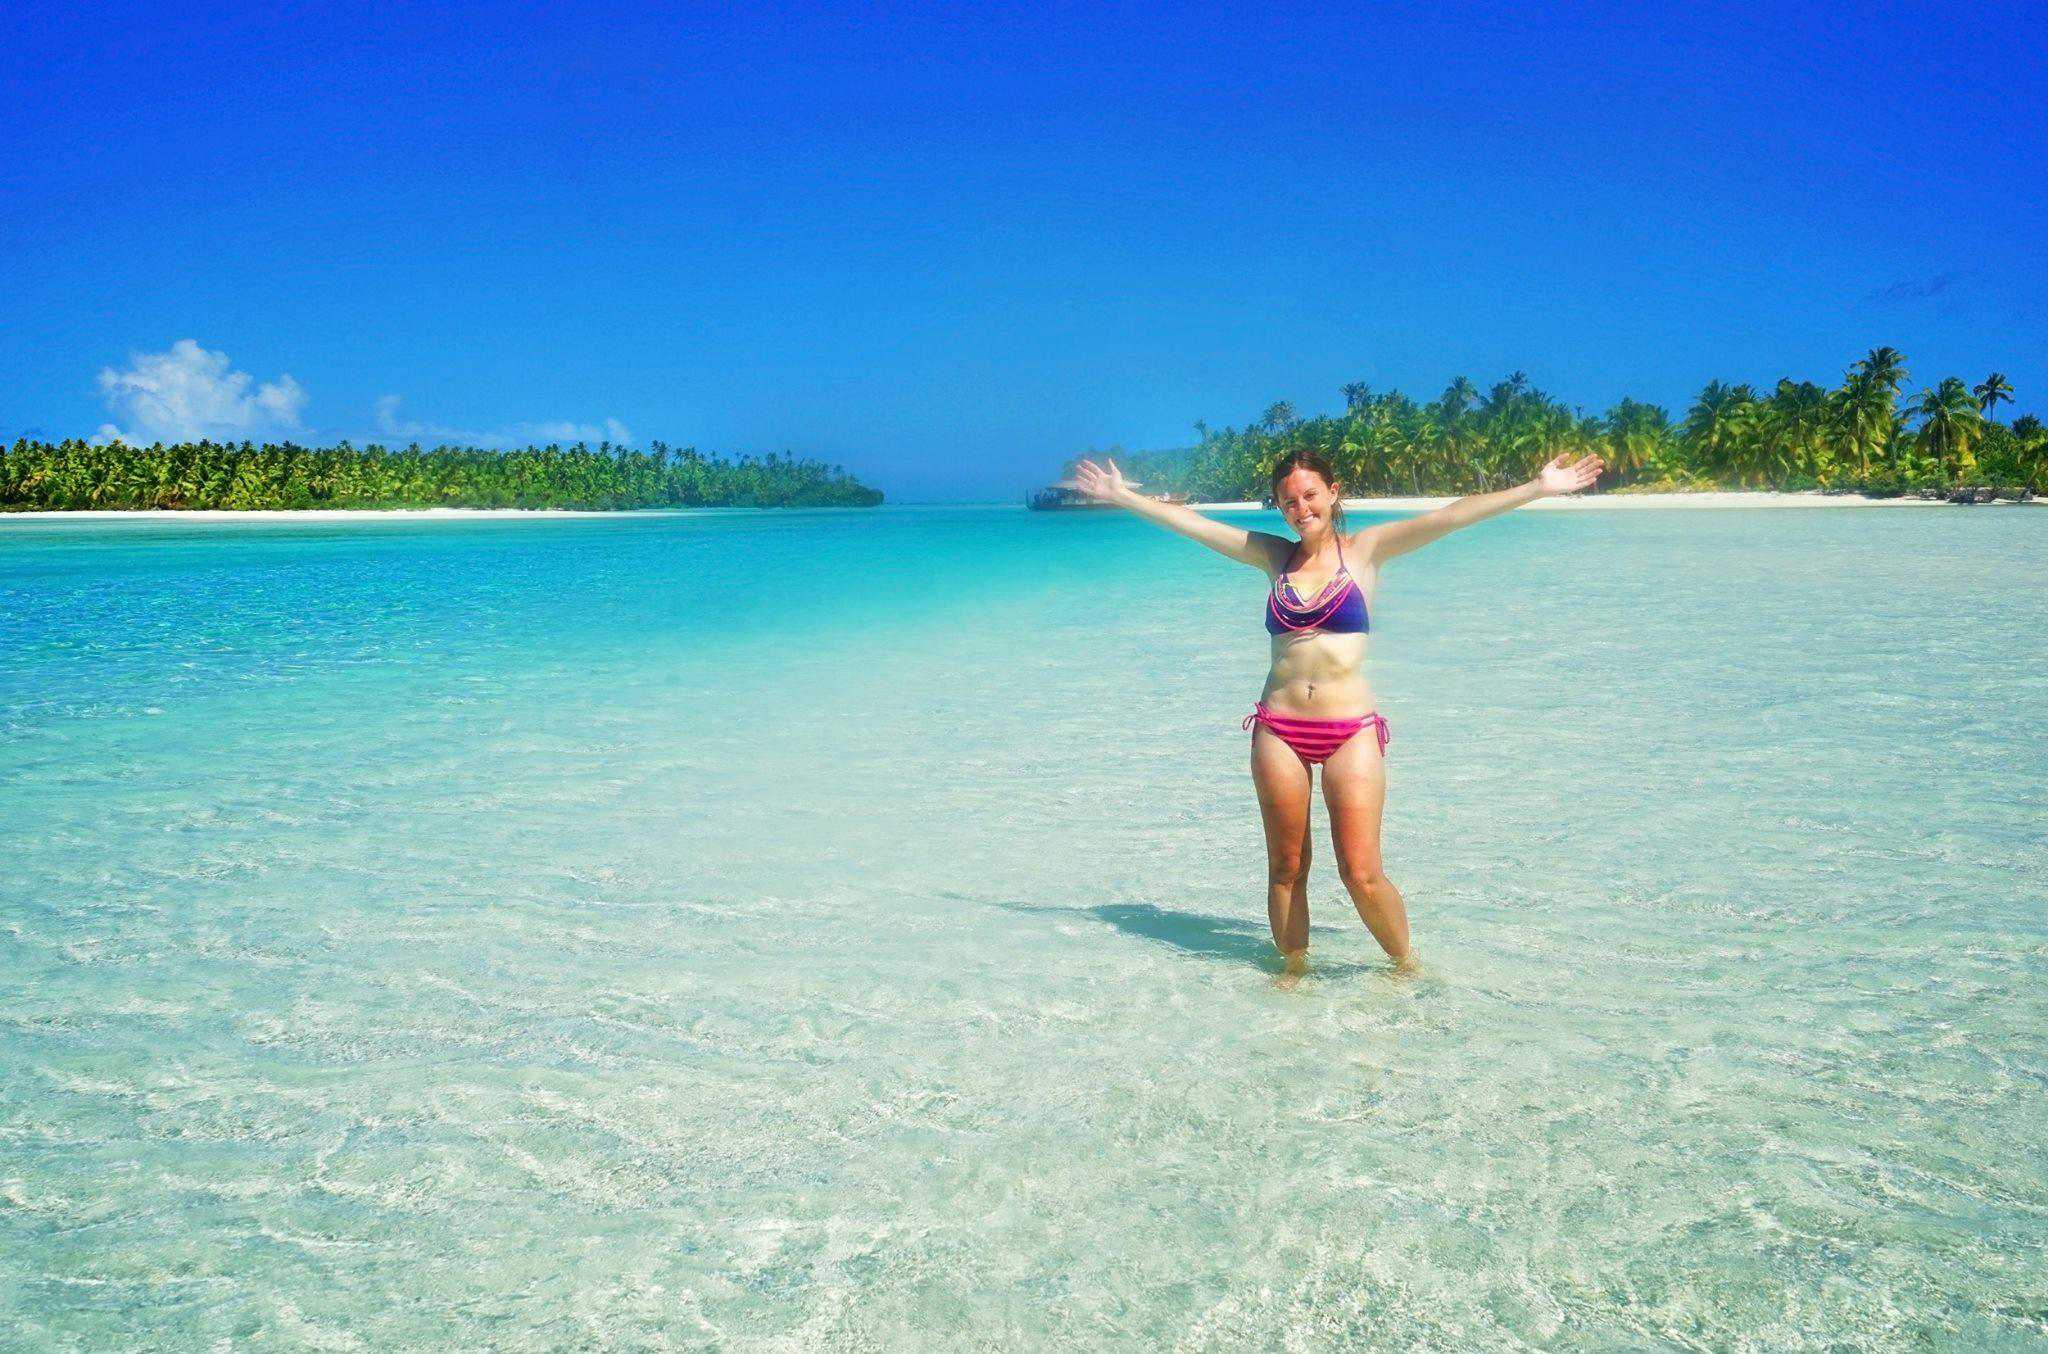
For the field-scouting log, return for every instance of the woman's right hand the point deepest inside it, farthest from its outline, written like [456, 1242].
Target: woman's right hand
[1103, 485]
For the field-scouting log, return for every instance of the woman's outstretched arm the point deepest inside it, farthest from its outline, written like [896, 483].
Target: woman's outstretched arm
[1105, 483]
[1398, 538]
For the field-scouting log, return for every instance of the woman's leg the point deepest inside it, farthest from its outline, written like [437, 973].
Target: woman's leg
[1282, 780]
[1355, 788]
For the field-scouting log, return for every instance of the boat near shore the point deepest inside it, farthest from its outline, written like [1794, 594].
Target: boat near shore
[1064, 494]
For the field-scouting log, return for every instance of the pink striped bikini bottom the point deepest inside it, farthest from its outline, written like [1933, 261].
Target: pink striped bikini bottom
[1313, 740]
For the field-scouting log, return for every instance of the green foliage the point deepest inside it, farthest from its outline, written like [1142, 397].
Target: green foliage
[75, 474]
[2003, 460]
[1798, 435]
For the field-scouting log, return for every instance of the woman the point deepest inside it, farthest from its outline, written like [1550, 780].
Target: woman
[1316, 700]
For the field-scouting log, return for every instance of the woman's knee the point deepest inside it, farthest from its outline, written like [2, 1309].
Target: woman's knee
[1364, 876]
[1287, 870]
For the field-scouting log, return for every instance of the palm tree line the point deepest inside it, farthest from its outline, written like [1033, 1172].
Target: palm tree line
[1862, 435]
[76, 474]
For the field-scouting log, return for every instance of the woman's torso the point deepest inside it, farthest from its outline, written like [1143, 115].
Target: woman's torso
[1318, 673]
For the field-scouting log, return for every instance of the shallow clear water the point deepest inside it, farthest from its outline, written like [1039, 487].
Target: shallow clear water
[846, 930]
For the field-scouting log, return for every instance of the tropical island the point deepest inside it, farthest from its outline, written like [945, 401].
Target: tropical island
[79, 475]
[1858, 437]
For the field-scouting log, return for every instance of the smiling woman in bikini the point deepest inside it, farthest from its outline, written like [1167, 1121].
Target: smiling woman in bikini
[1316, 699]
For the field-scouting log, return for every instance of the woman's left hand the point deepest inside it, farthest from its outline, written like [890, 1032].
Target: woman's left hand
[1560, 478]
[1102, 485]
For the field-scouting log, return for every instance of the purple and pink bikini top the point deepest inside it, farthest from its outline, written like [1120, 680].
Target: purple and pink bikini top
[1338, 609]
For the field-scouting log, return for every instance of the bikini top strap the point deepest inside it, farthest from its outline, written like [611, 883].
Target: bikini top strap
[1343, 566]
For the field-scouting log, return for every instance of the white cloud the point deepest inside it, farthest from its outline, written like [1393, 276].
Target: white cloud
[186, 393]
[390, 424]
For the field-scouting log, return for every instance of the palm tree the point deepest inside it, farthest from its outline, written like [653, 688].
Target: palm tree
[1949, 423]
[1279, 416]
[1886, 366]
[1720, 427]
[1994, 389]
[1791, 425]
[1868, 404]
[1634, 437]
[1458, 396]
[1355, 395]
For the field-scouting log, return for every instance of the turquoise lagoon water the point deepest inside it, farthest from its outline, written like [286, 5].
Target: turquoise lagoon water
[844, 930]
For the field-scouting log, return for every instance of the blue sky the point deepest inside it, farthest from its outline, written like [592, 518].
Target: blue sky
[950, 246]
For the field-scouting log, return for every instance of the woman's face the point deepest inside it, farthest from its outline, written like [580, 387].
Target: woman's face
[1306, 500]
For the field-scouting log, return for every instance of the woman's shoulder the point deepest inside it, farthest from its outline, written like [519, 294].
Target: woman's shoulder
[1274, 551]
[1360, 543]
